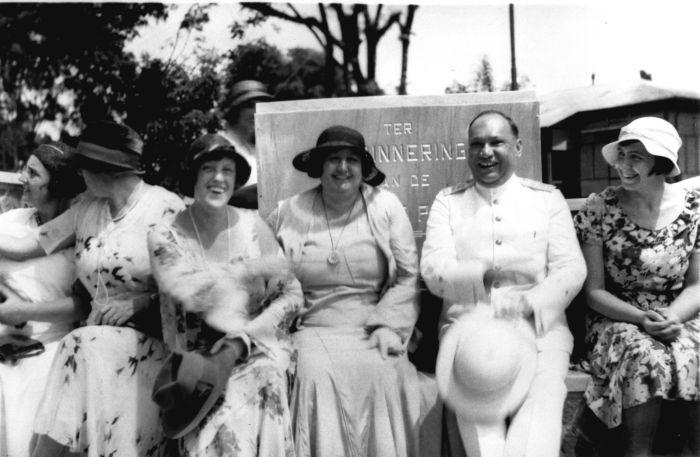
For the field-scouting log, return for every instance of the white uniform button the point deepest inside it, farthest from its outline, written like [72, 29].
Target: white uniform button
[498, 242]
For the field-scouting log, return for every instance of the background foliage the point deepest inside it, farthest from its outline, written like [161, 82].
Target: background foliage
[64, 64]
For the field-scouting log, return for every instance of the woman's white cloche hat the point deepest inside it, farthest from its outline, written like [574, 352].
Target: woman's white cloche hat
[658, 136]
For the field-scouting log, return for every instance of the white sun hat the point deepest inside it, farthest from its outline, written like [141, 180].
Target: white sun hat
[658, 136]
[485, 365]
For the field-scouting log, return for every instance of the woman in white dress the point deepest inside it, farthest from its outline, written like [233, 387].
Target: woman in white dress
[38, 291]
[98, 394]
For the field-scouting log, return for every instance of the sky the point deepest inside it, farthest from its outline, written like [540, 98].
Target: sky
[558, 45]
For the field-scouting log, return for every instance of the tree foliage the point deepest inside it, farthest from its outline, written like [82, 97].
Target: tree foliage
[357, 25]
[297, 75]
[484, 81]
[170, 106]
[54, 55]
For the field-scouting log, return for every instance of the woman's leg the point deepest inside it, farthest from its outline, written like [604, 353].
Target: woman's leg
[639, 428]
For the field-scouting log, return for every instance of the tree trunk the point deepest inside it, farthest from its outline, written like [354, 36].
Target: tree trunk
[405, 38]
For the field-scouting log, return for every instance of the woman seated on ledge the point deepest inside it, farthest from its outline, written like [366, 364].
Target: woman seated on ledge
[97, 399]
[38, 301]
[352, 248]
[640, 241]
[192, 261]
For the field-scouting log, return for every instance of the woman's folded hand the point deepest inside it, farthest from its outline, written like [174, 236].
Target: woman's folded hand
[119, 310]
[387, 341]
[662, 324]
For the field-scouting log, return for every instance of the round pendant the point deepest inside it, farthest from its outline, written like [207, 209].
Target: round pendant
[333, 258]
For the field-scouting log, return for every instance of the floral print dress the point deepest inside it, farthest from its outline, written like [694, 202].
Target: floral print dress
[98, 394]
[645, 268]
[252, 417]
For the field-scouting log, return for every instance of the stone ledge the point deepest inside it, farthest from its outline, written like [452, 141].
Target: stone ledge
[576, 381]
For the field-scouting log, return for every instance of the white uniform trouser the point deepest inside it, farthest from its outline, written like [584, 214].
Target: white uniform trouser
[535, 429]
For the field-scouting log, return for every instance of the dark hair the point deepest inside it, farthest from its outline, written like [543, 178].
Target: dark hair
[189, 174]
[511, 122]
[662, 166]
[59, 160]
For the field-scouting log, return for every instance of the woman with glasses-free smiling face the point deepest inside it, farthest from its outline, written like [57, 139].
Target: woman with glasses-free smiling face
[634, 165]
[342, 173]
[215, 182]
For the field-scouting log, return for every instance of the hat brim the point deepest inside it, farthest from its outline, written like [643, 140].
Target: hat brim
[311, 159]
[476, 405]
[87, 162]
[251, 96]
[610, 152]
[243, 169]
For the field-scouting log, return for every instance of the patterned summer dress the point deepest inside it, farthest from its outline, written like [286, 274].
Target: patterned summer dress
[98, 395]
[252, 417]
[645, 268]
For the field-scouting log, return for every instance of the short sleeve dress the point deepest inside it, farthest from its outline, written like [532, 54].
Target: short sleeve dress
[645, 268]
[98, 395]
[22, 382]
[252, 417]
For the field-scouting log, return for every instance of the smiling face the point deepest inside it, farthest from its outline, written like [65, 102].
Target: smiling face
[215, 183]
[634, 165]
[493, 150]
[342, 172]
[35, 179]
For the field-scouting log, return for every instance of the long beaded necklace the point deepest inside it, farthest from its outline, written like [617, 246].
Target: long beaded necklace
[205, 263]
[134, 198]
[334, 256]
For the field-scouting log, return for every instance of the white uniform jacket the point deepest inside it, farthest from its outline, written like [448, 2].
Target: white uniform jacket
[523, 234]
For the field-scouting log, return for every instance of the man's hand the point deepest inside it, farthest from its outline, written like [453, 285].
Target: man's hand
[387, 341]
[511, 305]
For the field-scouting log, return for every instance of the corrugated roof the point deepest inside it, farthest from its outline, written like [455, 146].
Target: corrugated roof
[559, 105]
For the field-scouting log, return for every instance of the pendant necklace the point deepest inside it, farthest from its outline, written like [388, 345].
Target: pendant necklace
[205, 263]
[334, 257]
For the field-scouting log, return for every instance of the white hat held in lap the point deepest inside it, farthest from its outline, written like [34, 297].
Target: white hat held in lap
[485, 365]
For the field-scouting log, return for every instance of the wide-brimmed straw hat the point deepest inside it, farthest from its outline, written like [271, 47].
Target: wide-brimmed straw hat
[658, 136]
[485, 365]
[187, 387]
[333, 139]
[110, 147]
[248, 90]
[212, 147]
